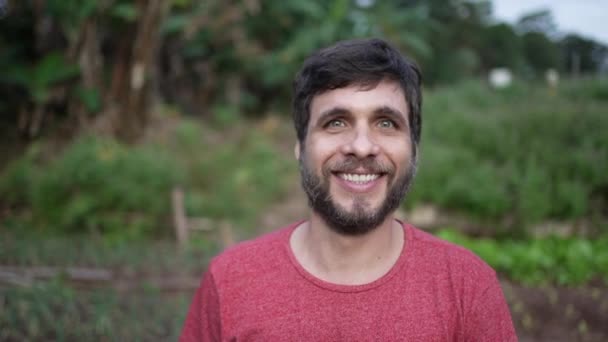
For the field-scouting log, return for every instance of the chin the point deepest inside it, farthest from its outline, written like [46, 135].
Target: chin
[358, 220]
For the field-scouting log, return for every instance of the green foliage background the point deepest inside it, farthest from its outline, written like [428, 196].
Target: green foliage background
[244, 53]
[101, 186]
[72, 194]
[526, 151]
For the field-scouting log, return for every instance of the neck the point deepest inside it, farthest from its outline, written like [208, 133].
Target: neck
[343, 259]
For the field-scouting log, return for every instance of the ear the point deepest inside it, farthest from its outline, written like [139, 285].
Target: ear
[296, 150]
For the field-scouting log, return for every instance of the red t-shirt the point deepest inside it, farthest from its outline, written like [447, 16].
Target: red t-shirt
[436, 291]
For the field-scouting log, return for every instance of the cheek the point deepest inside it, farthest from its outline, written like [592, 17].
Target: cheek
[319, 151]
[311, 159]
[401, 152]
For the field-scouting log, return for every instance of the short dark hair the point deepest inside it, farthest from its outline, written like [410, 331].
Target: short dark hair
[358, 61]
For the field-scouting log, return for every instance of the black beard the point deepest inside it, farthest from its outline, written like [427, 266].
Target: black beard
[359, 220]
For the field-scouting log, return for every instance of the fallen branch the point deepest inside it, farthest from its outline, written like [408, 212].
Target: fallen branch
[93, 277]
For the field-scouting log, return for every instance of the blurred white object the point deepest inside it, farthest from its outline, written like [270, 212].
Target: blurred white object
[552, 78]
[500, 78]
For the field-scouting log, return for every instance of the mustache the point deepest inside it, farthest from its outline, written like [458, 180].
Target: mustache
[350, 164]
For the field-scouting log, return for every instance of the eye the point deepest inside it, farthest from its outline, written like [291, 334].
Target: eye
[335, 123]
[386, 123]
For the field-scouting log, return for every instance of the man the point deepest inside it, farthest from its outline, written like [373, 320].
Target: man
[351, 272]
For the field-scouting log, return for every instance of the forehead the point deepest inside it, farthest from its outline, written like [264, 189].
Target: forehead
[360, 99]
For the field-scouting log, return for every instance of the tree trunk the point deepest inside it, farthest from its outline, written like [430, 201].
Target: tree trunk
[134, 78]
[85, 50]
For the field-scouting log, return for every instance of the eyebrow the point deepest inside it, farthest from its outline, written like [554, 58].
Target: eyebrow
[393, 114]
[331, 113]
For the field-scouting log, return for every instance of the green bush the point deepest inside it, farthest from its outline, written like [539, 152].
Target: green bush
[524, 151]
[95, 185]
[582, 89]
[230, 177]
[233, 181]
[123, 192]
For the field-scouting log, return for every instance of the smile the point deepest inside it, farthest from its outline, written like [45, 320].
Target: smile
[359, 182]
[359, 178]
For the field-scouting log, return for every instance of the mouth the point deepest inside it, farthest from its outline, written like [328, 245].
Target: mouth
[358, 182]
[359, 178]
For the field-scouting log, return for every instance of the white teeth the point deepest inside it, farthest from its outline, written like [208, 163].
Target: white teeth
[357, 178]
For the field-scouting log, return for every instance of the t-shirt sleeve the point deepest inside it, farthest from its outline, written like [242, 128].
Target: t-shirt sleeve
[203, 322]
[489, 318]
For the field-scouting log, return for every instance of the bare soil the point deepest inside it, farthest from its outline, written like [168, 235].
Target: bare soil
[553, 313]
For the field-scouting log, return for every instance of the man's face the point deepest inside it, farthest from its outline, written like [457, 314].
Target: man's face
[357, 162]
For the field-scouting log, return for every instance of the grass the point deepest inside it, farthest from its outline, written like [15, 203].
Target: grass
[53, 311]
[56, 310]
[142, 256]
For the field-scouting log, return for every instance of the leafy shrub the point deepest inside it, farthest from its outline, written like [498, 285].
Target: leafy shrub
[594, 88]
[566, 261]
[99, 185]
[95, 185]
[38, 80]
[522, 151]
[234, 180]
[471, 184]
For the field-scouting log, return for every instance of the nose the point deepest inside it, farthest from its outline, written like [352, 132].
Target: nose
[362, 145]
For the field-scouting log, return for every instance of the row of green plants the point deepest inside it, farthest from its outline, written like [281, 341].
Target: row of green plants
[54, 311]
[26, 249]
[541, 261]
[527, 152]
[100, 186]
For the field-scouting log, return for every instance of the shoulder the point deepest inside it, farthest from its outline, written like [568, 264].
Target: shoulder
[444, 255]
[471, 286]
[251, 257]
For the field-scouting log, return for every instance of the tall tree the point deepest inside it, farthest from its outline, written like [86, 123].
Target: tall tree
[541, 52]
[134, 79]
[582, 55]
[538, 21]
[501, 47]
